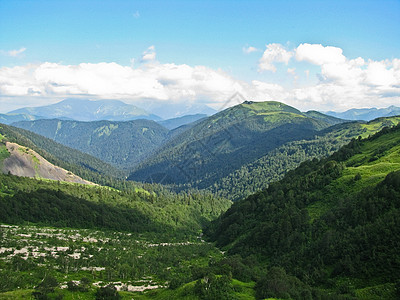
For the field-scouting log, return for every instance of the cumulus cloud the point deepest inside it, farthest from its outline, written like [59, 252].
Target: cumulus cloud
[149, 54]
[250, 49]
[274, 53]
[337, 69]
[319, 55]
[345, 83]
[342, 83]
[110, 80]
[14, 53]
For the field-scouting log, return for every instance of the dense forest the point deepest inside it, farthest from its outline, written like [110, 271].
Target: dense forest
[329, 222]
[256, 175]
[122, 144]
[222, 143]
[80, 206]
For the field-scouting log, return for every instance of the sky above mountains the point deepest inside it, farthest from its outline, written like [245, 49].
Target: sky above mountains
[324, 55]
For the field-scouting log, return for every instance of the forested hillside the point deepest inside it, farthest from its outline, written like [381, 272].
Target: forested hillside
[333, 223]
[81, 206]
[224, 142]
[180, 121]
[122, 144]
[256, 175]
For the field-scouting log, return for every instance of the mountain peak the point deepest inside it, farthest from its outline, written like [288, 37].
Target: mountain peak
[89, 110]
[269, 106]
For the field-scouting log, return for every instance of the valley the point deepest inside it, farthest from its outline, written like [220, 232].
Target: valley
[257, 201]
[199, 150]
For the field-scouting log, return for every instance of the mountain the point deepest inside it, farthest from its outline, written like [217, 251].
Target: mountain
[257, 175]
[175, 110]
[333, 223]
[366, 114]
[82, 164]
[88, 110]
[180, 121]
[323, 117]
[11, 118]
[122, 144]
[222, 143]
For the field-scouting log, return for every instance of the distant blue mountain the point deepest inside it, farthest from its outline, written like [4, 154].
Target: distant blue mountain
[366, 114]
[89, 110]
[11, 118]
[177, 122]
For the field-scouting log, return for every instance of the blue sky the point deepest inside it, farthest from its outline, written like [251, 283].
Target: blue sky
[211, 34]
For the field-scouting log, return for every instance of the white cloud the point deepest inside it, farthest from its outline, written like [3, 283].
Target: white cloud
[343, 83]
[14, 53]
[149, 54]
[156, 81]
[378, 74]
[319, 55]
[346, 83]
[250, 49]
[292, 71]
[274, 53]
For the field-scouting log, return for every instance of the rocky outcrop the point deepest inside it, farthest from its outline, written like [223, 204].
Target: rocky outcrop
[27, 163]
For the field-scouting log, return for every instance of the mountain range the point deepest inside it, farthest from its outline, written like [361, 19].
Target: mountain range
[233, 153]
[366, 114]
[80, 109]
[316, 212]
[88, 110]
[222, 143]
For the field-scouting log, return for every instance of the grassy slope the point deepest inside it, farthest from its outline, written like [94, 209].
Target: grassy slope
[376, 160]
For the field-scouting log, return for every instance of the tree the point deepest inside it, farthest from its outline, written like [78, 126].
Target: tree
[108, 292]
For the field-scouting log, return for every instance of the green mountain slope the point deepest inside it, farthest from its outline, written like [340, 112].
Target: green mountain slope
[88, 110]
[82, 164]
[82, 206]
[333, 223]
[256, 175]
[180, 121]
[122, 144]
[224, 142]
[320, 116]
